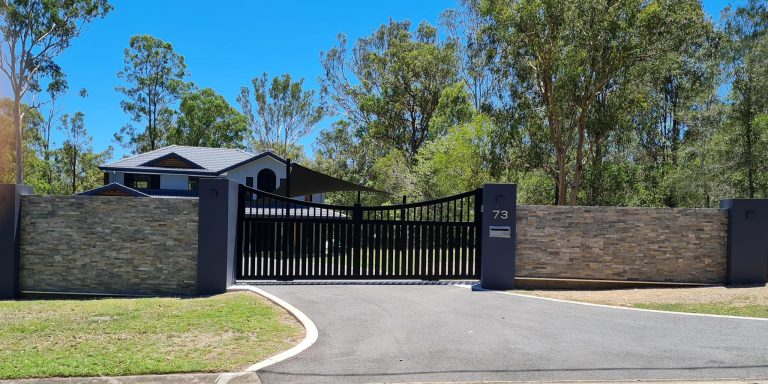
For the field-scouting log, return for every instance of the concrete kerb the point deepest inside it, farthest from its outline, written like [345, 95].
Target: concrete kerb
[478, 288]
[309, 327]
[186, 378]
[715, 381]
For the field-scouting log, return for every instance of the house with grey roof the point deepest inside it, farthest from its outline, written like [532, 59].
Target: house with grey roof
[175, 171]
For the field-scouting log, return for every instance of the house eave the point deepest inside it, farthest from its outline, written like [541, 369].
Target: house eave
[160, 171]
[259, 156]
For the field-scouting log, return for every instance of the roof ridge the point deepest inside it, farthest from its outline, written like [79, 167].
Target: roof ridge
[244, 151]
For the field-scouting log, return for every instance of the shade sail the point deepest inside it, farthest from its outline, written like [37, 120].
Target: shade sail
[305, 181]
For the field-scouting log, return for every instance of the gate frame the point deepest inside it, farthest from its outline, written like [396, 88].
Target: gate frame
[360, 216]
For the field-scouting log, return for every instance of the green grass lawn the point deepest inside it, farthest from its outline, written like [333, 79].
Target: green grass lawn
[721, 308]
[112, 337]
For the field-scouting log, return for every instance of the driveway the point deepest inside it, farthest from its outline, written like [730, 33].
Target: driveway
[406, 333]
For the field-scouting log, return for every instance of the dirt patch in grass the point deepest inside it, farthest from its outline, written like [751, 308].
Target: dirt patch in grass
[112, 337]
[751, 302]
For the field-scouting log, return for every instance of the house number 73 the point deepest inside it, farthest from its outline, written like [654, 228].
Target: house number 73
[500, 214]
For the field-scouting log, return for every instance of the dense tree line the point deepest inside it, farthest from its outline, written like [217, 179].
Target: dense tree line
[597, 102]
[591, 102]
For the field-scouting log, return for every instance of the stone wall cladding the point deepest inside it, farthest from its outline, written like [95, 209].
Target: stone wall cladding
[610, 243]
[103, 244]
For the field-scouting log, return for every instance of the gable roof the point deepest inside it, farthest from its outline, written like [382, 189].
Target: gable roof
[208, 161]
[171, 160]
[113, 189]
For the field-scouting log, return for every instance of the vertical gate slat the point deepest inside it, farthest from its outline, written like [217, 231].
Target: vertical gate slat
[252, 248]
[383, 251]
[315, 248]
[375, 250]
[424, 251]
[336, 253]
[453, 240]
[444, 246]
[256, 243]
[343, 249]
[349, 238]
[364, 262]
[350, 244]
[358, 242]
[395, 238]
[411, 249]
[372, 250]
[385, 237]
[323, 264]
[380, 248]
[443, 250]
[388, 237]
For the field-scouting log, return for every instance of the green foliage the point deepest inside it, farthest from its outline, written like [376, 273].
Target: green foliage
[341, 153]
[393, 173]
[73, 165]
[713, 308]
[746, 55]
[284, 113]
[34, 33]
[536, 188]
[701, 177]
[154, 74]
[205, 119]
[590, 102]
[561, 54]
[390, 86]
[456, 162]
[34, 168]
[453, 108]
[76, 162]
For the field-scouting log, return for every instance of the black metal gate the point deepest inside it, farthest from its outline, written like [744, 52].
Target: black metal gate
[284, 239]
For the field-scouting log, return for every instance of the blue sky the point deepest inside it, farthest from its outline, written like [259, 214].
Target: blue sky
[225, 45]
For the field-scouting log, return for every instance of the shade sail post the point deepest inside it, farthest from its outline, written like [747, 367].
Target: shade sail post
[288, 178]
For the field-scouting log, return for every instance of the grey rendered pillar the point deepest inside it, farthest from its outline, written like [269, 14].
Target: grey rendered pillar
[217, 228]
[747, 241]
[10, 208]
[498, 236]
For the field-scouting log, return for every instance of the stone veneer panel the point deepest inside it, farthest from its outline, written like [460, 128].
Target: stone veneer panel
[645, 244]
[104, 244]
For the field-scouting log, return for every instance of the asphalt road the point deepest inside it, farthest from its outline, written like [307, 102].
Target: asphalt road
[406, 333]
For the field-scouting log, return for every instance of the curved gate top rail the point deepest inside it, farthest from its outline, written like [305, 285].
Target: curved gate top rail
[279, 238]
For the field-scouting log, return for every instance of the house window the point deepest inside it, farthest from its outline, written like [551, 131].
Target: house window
[106, 178]
[194, 183]
[267, 180]
[142, 181]
[308, 198]
[249, 181]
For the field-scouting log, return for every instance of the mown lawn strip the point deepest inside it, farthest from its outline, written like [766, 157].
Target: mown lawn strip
[115, 337]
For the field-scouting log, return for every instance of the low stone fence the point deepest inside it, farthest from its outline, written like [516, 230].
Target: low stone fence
[155, 246]
[102, 244]
[642, 244]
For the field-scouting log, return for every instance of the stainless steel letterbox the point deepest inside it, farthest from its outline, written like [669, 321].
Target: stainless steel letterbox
[502, 231]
